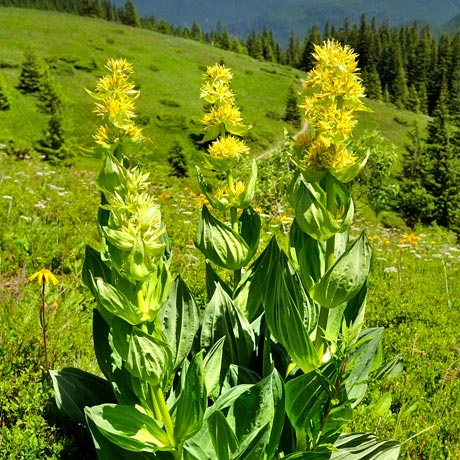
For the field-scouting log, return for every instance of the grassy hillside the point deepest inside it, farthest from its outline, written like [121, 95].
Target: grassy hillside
[168, 72]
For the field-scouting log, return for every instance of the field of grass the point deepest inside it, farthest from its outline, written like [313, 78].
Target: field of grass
[48, 215]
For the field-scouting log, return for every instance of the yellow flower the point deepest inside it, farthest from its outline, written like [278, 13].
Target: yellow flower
[219, 72]
[333, 95]
[222, 114]
[115, 95]
[228, 147]
[44, 276]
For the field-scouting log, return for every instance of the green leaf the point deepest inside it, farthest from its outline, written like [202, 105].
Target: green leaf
[116, 303]
[222, 436]
[346, 277]
[192, 402]
[107, 450]
[261, 405]
[244, 200]
[111, 175]
[307, 254]
[312, 215]
[94, 267]
[222, 319]
[207, 192]
[102, 349]
[180, 319]
[74, 389]
[149, 358]
[212, 365]
[220, 243]
[290, 315]
[250, 230]
[360, 363]
[253, 447]
[316, 402]
[129, 428]
[212, 280]
[353, 446]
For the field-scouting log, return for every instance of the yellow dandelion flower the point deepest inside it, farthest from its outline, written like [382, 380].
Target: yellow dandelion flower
[44, 276]
[228, 147]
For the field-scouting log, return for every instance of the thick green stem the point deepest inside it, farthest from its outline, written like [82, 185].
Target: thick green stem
[330, 252]
[163, 409]
[235, 224]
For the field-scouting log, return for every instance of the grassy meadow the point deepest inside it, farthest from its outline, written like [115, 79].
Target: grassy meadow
[48, 215]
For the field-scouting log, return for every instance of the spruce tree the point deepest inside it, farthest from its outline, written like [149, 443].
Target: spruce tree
[292, 112]
[130, 16]
[31, 73]
[307, 61]
[4, 102]
[91, 8]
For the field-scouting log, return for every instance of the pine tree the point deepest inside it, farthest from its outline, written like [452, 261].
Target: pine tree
[4, 102]
[371, 81]
[91, 8]
[31, 73]
[307, 61]
[177, 161]
[292, 52]
[292, 112]
[130, 17]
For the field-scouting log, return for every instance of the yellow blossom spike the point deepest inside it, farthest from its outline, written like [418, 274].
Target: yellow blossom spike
[44, 276]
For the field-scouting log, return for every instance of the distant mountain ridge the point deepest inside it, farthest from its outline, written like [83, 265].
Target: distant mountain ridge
[284, 16]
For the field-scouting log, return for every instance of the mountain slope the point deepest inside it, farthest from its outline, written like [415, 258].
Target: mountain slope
[283, 16]
[168, 71]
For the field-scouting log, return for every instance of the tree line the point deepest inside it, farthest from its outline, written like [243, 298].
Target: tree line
[406, 65]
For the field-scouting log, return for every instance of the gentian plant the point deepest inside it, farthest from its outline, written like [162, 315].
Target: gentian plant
[279, 358]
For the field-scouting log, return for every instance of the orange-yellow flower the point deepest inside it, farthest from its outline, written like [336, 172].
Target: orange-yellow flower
[44, 276]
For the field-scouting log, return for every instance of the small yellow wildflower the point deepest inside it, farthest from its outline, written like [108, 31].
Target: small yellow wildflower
[228, 147]
[44, 276]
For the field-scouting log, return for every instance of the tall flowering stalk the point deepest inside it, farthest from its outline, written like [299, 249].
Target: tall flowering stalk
[226, 153]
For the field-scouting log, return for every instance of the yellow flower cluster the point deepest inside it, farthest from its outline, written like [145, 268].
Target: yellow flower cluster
[333, 93]
[228, 147]
[115, 94]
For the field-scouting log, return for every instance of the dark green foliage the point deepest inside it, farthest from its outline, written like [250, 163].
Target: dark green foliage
[292, 113]
[177, 161]
[4, 102]
[91, 8]
[431, 174]
[129, 15]
[31, 73]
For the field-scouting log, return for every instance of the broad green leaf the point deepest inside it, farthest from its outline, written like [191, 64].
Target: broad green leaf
[74, 389]
[353, 446]
[179, 316]
[244, 200]
[262, 404]
[107, 450]
[254, 446]
[207, 192]
[128, 428]
[192, 402]
[115, 302]
[157, 288]
[312, 396]
[149, 358]
[222, 435]
[102, 349]
[194, 451]
[220, 243]
[212, 280]
[212, 365]
[290, 315]
[222, 319]
[346, 277]
[250, 230]
[307, 254]
[311, 212]
[360, 362]
[238, 375]
[111, 175]
[94, 267]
